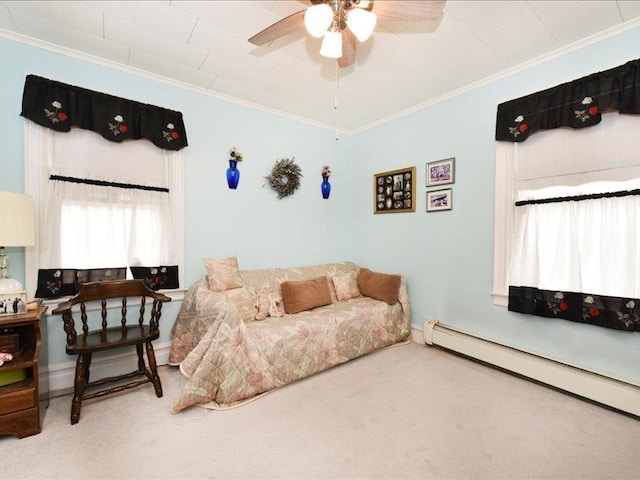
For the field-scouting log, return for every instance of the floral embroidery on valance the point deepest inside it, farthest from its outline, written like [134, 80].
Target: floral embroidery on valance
[575, 104]
[602, 310]
[157, 278]
[60, 282]
[59, 106]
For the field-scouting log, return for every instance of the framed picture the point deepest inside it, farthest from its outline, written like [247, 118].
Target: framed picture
[394, 191]
[13, 303]
[441, 172]
[439, 200]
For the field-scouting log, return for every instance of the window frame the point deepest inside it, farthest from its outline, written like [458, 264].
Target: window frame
[616, 127]
[504, 212]
[36, 140]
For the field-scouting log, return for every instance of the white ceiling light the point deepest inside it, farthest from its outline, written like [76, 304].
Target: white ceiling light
[317, 19]
[332, 44]
[361, 23]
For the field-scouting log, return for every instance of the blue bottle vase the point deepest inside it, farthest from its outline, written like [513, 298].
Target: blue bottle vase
[233, 174]
[325, 187]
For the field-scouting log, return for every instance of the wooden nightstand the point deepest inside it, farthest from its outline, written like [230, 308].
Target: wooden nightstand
[19, 401]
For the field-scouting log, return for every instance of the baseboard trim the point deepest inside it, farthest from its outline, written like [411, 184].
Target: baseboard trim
[57, 379]
[417, 334]
[613, 392]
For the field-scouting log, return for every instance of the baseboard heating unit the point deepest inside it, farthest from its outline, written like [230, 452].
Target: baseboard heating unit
[603, 389]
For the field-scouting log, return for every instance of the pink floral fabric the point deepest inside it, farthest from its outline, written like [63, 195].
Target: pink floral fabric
[346, 286]
[223, 273]
[228, 360]
[268, 303]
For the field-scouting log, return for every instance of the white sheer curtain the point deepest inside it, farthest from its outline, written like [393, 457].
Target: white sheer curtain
[87, 226]
[587, 246]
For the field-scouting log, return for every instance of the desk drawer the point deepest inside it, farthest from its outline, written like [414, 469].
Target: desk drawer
[21, 424]
[17, 400]
[9, 341]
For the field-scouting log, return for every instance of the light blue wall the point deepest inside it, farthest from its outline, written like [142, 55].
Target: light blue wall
[249, 222]
[448, 256]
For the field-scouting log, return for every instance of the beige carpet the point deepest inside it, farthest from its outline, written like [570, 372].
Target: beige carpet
[405, 412]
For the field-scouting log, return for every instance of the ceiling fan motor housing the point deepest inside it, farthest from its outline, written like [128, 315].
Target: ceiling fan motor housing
[350, 20]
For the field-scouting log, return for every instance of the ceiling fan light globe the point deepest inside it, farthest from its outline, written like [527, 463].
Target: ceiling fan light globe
[361, 23]
[331, 45]
[317, 19]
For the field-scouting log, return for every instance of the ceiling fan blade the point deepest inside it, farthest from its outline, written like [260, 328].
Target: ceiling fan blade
[416, 10]
[279, 29]
[348, 49]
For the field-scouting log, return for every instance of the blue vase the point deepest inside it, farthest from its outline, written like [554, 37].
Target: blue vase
[325, 187]
[233, 174]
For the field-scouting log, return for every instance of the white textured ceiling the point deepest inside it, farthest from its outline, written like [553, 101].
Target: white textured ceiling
[404, 64]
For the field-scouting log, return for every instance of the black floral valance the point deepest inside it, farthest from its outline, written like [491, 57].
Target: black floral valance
[61, 282]
[59, 106]
[602, 310]
[575, 104]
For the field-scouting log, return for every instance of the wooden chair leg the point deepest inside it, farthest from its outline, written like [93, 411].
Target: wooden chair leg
[78, 386]
[141, 365]
[155, 378]
[87, 369]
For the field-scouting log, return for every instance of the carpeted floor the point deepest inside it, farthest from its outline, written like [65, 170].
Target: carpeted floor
[405, 412]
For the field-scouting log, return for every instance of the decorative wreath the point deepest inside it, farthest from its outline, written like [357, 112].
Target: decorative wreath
[285, 177]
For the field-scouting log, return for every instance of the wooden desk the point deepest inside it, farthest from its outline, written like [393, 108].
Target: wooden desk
[20, 401]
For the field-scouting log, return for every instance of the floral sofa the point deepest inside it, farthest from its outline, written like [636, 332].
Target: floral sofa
[308, 319]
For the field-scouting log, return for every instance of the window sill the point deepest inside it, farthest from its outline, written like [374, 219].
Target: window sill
[500, 299]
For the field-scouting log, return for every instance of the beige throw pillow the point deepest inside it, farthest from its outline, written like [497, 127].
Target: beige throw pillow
[222, 273]
[299, 296]
[346, 286]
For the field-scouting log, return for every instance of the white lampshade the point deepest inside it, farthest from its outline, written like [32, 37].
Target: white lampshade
[361, 23]
[331, 45]
[16, 230]
[16, 220]
[317, 19]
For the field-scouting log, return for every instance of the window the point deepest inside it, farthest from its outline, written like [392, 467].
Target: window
[85, 226]
[568, 221]
[566, 213]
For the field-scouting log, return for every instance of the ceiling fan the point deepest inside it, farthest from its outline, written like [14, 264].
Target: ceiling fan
[341, 22]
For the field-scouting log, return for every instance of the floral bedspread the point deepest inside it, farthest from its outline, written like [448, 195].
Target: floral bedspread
[229, 361]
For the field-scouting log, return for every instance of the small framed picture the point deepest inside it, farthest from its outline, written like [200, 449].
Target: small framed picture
[394, 191]
[438, 200]
[13, 303]
[441, 172]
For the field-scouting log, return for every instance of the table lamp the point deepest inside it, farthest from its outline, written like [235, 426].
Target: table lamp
[16, 230]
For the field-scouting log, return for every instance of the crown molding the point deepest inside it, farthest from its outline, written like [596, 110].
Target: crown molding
[610, 32]
[18, 37]
[603, 35]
